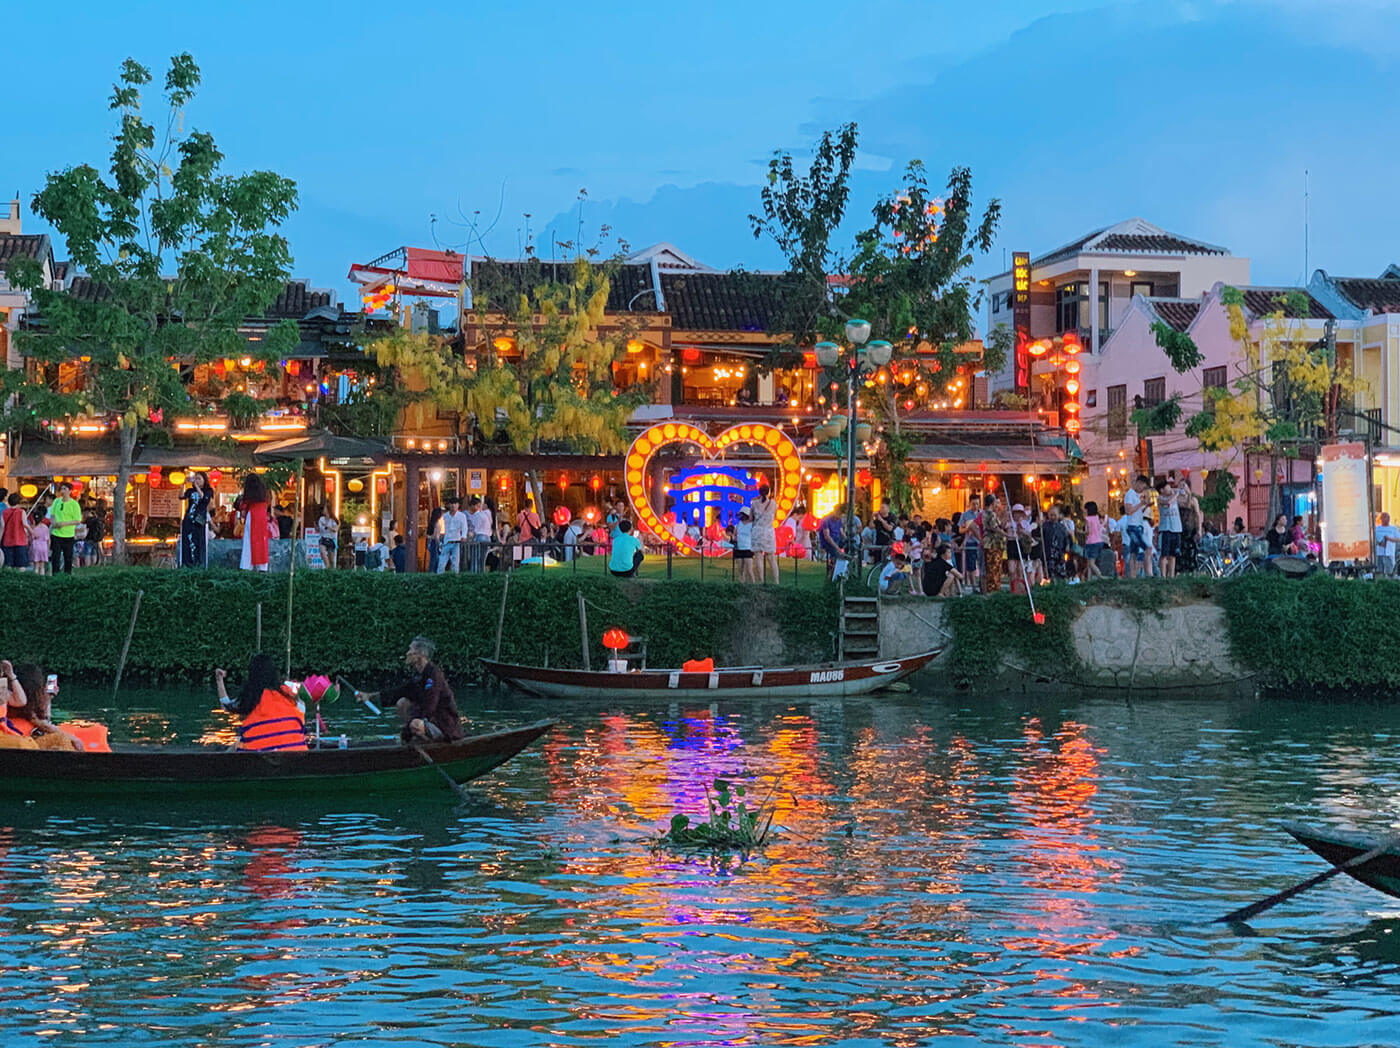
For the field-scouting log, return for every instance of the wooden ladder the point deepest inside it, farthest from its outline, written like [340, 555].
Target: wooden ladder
[860, 629]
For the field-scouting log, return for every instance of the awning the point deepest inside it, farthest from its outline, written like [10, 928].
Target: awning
[39, 459]
[322, 444]
[972, 458]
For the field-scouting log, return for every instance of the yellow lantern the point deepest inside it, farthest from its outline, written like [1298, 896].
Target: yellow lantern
[177, 477]
[356, 485]
[139, 478]
[28, 491]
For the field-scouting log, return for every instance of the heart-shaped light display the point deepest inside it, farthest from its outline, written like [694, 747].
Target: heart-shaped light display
[664, 434]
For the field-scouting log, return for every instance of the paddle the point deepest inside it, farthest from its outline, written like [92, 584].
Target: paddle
[1255, 909]
[456, 786]
[363, 696]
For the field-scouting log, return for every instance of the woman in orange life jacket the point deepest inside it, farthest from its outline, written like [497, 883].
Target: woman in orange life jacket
[14, 700]
[272, 719]
[37, 718]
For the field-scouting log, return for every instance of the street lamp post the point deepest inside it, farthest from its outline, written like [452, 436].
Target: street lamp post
[862, 358]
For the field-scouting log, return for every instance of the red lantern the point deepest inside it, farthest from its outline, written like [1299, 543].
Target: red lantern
[615, 639]
[668, 517]
[214, 477]
[77, 487]
[690, 355]
[596, 482]
[592, 514]
[797, 551]
[810, 522]
[562, 515]
[863, 477]
[991, 483]
[154, 471]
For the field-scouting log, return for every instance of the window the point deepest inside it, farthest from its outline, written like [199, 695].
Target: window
[1117, 412]
[1103, 310]
[1067, 308]
[1091, 398]
[1154, 391]
[1212, 378]
[1141, 287]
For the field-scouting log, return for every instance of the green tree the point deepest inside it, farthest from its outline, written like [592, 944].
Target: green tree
[1285, 390]
[908, 273]
[181, 255]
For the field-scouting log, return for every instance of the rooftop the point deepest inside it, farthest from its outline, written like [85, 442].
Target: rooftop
[1132, 237]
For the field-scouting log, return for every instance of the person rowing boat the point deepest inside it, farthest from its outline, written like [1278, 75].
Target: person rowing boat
[425, 704]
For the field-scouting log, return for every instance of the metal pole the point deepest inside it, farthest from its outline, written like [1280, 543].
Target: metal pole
[292, 563]
[852, 543]
[501, 618]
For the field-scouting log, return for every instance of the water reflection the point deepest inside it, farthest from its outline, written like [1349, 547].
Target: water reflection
[991, 871]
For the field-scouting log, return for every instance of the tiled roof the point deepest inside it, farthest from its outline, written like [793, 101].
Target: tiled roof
[1165, 244]
[1175, 312]
[1379, 296]
[625, 293]
[1131, 237]
[23, 245]
[297, 300]
[85, 289]
[60, 269]
[721, 301]
[1264, 300]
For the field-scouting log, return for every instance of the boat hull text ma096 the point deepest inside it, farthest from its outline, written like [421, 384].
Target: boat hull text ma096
[825, 680]
[172, 772]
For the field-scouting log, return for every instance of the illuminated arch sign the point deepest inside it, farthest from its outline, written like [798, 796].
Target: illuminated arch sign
[665, 434]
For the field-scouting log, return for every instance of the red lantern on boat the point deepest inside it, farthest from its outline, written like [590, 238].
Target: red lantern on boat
[615, 639]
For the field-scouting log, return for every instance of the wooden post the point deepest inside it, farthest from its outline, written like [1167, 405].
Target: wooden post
[292, 564]
[410, 512]
[501, 619]
[126, 647]
[257, 635]
[583, 629]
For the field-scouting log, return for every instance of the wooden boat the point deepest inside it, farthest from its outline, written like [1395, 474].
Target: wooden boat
[170, 772]
[1339, 846]
[823, 680]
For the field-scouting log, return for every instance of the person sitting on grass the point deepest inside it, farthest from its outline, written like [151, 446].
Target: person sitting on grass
[896, 577]
[627, 553]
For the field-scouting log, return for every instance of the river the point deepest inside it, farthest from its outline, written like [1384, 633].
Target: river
[945, 871]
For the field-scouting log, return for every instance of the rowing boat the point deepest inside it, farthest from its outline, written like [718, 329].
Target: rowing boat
[821, 680]
[1340, 846]
[167, 771]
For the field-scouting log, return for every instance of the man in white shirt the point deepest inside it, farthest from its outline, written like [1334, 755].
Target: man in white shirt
[456, 526]
[896, 577]
[1387, 538]
[483, 529]
[1135, 545]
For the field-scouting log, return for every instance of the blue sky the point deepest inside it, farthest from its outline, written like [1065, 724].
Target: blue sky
[1200, 116]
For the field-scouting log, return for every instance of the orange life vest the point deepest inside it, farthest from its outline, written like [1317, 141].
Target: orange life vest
[275, 724]
[21, 725]
[698, 665]
[7, 723]
[92, 736]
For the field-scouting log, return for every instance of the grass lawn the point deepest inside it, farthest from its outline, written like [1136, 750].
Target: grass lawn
[803, 574]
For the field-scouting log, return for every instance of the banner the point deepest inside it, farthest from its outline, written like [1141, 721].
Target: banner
[1346, 503]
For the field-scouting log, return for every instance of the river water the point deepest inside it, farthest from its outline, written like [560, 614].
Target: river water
[965, 871]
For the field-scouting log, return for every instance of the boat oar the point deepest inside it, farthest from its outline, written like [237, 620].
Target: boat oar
[362, 696]
[1255, 909]
[456, 786]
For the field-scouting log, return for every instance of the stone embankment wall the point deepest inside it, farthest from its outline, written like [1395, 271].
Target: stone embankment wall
[1178, 648]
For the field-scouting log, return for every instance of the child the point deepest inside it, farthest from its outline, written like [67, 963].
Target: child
[39, 547]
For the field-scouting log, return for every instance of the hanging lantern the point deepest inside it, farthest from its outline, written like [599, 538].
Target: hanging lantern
[810, 522]
[1072, 387]
[592, 514]
[214, 477]
[177, 478]
[562, 515]
[154, 471]
[504, 484]
[596, 482]
[355, 485]
[863, 477]
[28, 491]
[615, 639]
[381, 485]
[1071, 367]
[139, 478]
[563, 481]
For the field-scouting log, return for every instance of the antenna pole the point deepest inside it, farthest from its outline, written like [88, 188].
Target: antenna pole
[1307, 203]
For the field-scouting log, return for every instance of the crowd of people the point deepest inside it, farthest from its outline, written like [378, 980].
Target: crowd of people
[54, 532]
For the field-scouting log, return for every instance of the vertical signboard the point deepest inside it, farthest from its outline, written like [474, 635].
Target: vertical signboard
[1346, 503]
[1021, 316]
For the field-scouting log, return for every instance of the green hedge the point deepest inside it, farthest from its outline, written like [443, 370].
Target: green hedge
[1318, 633]
[359, 624]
